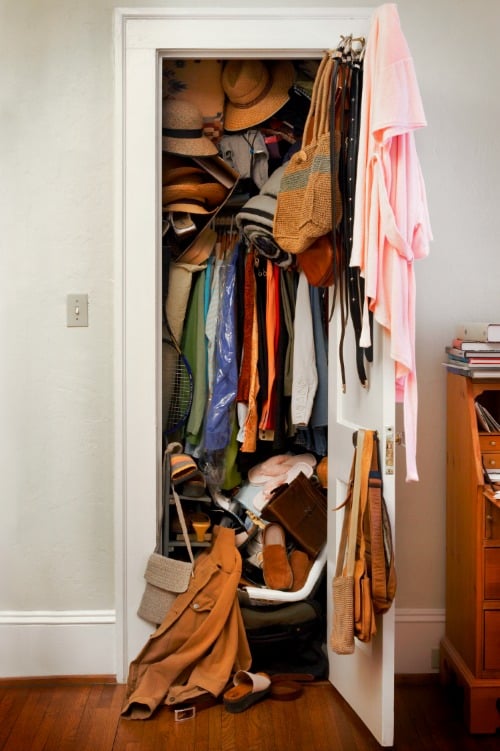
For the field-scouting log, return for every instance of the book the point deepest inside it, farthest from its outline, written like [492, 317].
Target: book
[486, 365]
[472, 371]
[474, 358]
[470, 345]
[481, 332]
[486, 420]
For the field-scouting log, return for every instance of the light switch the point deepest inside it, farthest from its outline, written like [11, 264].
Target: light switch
[77, 310]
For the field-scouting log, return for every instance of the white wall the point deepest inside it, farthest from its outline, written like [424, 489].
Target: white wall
[56, 384]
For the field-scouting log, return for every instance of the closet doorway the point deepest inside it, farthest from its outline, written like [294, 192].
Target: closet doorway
[143, 39]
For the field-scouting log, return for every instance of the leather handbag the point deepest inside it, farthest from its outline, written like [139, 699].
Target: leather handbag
[165, 577]
[381, 551]
[365, 578]
[300, 507]
[364, 615]
[342, 633]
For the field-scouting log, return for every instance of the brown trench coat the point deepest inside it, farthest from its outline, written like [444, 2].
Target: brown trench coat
[201, 641]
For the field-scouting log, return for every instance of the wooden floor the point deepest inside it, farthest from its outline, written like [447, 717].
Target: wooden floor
[50, 716]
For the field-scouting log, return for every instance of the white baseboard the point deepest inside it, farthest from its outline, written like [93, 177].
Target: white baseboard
[45, 643]
[418, 633]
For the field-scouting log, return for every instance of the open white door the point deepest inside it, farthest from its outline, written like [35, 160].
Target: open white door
[366, 678]
[142, 38]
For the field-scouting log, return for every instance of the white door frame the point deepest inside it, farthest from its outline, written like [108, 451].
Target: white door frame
[142, 37]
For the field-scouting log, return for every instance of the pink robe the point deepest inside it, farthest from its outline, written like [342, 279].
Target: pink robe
[391, 222]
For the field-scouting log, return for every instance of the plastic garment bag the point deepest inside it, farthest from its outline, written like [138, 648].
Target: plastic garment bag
[225, 382]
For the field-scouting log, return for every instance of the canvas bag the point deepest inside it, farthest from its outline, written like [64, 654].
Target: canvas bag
[304, 203]
[165, 577]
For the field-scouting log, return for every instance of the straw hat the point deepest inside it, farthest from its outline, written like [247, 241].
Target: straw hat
[201, 248]
[255, 91]
[198, 82]
[183, 130]
[194, 188]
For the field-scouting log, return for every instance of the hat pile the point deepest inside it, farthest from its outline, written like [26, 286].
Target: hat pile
[256, 220]
[188, 187]
[255, 91]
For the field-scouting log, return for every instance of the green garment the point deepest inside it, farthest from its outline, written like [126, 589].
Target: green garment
[194, 348]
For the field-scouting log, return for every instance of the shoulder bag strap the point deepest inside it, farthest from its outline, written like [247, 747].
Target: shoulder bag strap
[381, 548]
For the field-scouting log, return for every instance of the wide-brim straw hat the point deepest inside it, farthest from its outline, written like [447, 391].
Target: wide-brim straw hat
[255, 91]
[183, 130]
[210, 194]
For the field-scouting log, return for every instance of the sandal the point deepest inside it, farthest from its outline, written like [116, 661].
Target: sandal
[248, 689]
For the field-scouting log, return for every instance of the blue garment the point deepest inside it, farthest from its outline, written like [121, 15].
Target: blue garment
[225, 383]
[314, 437]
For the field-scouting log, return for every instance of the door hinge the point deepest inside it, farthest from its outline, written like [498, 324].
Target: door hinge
[391, 439]
[389, 451]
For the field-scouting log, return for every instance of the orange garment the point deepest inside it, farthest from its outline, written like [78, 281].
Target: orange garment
[267, 421]
[391, 221]
[250, 427]
[202, 640]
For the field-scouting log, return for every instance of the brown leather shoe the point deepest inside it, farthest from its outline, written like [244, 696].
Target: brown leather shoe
[276, 568]
[300, 564]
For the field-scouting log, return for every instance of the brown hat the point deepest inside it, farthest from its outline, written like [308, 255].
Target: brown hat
[255, 91]
[183, 130]
[193, 187]
[201, 248]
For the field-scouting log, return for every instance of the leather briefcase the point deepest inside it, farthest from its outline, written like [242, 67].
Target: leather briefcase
[300, 507]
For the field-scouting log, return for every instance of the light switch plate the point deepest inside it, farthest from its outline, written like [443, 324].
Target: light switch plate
[77, 310]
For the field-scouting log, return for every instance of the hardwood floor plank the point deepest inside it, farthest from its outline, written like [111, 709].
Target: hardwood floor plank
[71, 712]
[26, 727]
[87, 718]
[99, 721]
[11, 704]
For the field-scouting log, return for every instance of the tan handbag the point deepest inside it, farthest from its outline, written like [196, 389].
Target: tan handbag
[165, 577]
[304, 202]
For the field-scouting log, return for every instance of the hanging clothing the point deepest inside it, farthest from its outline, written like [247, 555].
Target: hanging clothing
[195, 351]
[218, 426]
[202, 640]
[270, 336]
[305, 375]
[391, 223]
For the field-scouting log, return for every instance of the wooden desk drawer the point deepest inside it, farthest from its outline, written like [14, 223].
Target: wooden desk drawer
[489, 442]
[491, 461]
[492, 640]
[491, 521]
[492, 574]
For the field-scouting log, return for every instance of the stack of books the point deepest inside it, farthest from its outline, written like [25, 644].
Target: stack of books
[475, 351]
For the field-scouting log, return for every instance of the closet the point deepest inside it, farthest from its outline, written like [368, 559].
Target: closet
[254, 340]
[365, 679]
